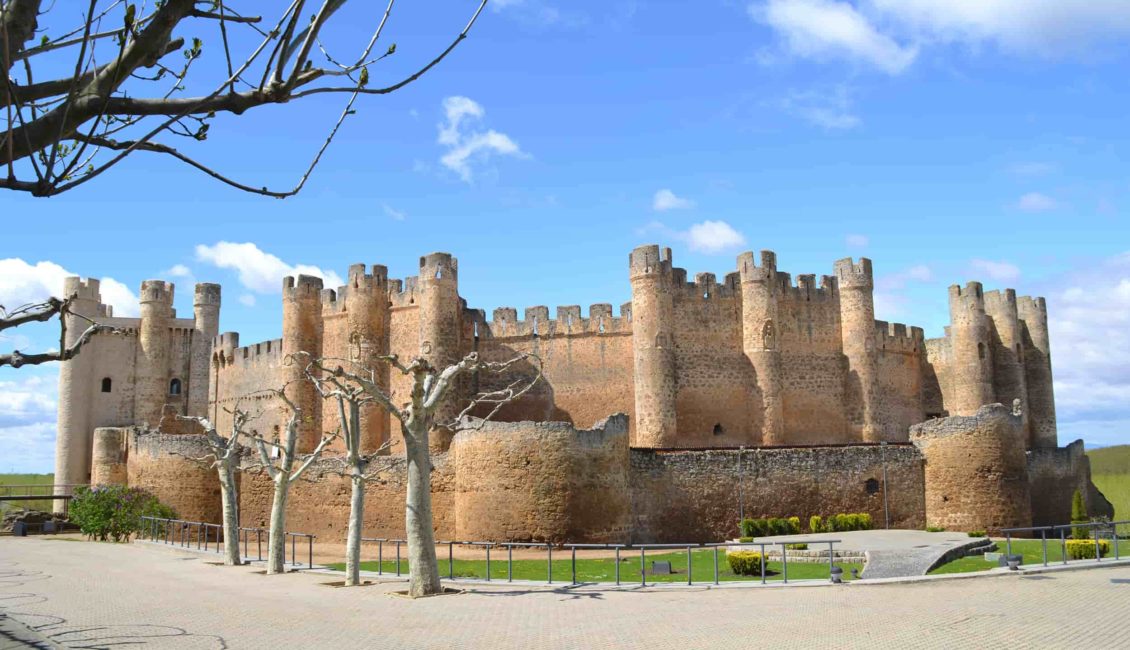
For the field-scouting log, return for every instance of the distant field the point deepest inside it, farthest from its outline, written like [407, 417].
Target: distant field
[1110, 471]
[25, 479]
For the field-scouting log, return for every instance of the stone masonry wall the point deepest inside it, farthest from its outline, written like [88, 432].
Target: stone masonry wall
[159, 462]
[1054, 475]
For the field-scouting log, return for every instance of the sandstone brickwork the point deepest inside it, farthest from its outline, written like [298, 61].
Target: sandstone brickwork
[1054, 475]
[976, 470]
[109, 459]
[163, 464]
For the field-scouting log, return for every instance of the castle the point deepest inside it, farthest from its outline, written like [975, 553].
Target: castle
[795, 390]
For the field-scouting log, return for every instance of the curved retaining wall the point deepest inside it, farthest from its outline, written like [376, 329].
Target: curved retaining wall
[976, 470]
[543, 481]
[108, 462]
[159, 463]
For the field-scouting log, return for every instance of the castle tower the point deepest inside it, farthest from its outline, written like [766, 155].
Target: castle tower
[152, 374]
[1033, 313]
[108, 465]
[206, 309]
[302, 332]
[857, 317]
[73, 442]
[441, 326]
[653, 347]
[759, 341]
[367, 311]
[1008, 355]
[972, 370]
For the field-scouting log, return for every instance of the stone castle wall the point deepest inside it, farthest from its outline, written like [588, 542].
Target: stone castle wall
[1054, 475]
[161, 463]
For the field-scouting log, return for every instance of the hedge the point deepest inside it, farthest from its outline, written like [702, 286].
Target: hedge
[1084, 549]
[745, 563]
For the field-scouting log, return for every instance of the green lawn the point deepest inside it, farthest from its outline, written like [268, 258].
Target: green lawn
[604, 570]
[25, 479]
[1031, 549]
[1110, 471]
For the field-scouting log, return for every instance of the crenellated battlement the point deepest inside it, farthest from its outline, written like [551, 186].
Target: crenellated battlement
[750, 271]
[972, 290]
[264, 353]
[705, 286]
[568, 322]
[1032, 305]
[206, 293]
[806, 289]
[304, 287]
[853, 275]
[157, 291]
[404, 293]
[87, 289]
[898, 337]
[650, 260]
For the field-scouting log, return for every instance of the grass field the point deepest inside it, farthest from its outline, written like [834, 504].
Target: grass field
[1110, 472]
[25, 479]
[604, 570]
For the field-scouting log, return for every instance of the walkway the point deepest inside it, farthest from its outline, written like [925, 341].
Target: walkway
[90, 594]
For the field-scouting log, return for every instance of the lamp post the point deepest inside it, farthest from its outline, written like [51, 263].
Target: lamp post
[886, 509]
[741, 494]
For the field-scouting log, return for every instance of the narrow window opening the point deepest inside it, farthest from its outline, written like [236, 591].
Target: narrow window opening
[174, 387]
[439, 273]
[871, 485]
[705, 295]
[476, 329]
[601, 326]
[718, 430]
[107, 385]
[980, 350]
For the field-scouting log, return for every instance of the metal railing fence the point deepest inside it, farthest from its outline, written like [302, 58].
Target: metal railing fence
[1099, 531]
[183, 533]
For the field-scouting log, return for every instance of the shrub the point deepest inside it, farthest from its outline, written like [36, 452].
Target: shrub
[1084, 549]
[770, 526]
[1078, 516]
[976, 533]
[842, 522]
[794, 525]
[865, 522]
[797, 547]
[745, 540]
[935, 529]
[816, 524]
[745, 563]
[114, 512]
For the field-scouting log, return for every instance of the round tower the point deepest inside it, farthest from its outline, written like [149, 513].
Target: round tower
[441, 326]
[1008, 353]
[367, 311]
[857, 322]
[971, 375]
[1033, 313]
[759, 342]
[302, 332]
[206, 313]
[976, 470]
[76, 389]
[653, 347]
[152, 375]
[108, 466]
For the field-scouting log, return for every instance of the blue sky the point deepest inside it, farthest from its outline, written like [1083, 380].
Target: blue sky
[948, 140]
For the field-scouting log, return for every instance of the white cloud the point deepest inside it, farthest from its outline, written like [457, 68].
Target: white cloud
[259, 271]
[394, 214]
[857, 241]
[22, 283]
[247, 300]
[464, 146]
[179, 271]
[1001, 271]
[28, 448]
[826, 30]
[829, 109]
[28, 400]
[1036, 202]
[713, 237]
[28, 410]
[665, 200]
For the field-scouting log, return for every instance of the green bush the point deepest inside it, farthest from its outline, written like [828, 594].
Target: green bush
[1079, 516]
[745, 540]
[114, 512]
[1084, 549]
[770, 526]
[841, 522]
[935, 529]
[976, 533]
[797, 547]
[744, 563]
[816, 524]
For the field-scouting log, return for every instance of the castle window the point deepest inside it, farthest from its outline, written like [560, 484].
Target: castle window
[872, 486]
[174, 387]
[980, 350]
[107, 385]
[718, 430]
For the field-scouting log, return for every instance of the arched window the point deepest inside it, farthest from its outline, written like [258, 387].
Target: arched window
[107, 384]
[174, 387]
[980, 350]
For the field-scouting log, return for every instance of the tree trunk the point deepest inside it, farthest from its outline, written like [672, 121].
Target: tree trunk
[356, 522]
[423, 571]
[276, 545]
[230, 498]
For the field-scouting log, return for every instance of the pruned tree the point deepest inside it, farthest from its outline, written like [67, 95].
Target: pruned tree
[227, 453]
[359, 464]
[431, 386]
[42, 312]
[78, 98]
[280, 467]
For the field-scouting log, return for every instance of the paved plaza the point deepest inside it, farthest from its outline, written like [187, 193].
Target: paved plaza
[91, 595]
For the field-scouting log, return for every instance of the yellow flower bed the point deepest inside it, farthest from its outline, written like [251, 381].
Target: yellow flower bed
[1084, 549]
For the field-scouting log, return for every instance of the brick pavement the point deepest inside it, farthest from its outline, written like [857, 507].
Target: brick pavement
[79, 594]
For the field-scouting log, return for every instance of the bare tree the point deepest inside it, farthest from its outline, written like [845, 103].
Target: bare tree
[430, 387]
[280, 467]
[227, 452]
[112, 90]
[42, 312]
[359, 463]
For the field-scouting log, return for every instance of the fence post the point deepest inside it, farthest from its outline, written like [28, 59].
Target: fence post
[1008, 541]
[1115, 531]
[488, 561]
[549, 562]
[380, 556]
[764, 559]
[1063, 543]
[643, 574]
[784, 563]
[450, 561]
[509, 563]
[398, 558]
[715, 565]
[688, 565]
[617, 566]
[831, 559]
[310, 541]
[1044, 543]
[1098, 550]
